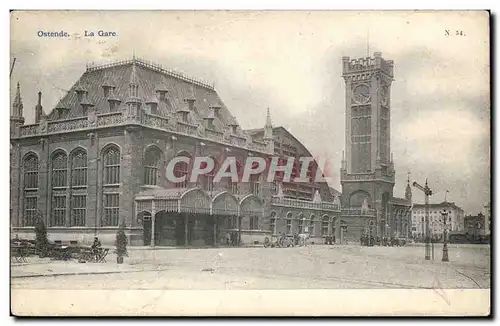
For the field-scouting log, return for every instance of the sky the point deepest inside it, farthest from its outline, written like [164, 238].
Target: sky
[291, 62]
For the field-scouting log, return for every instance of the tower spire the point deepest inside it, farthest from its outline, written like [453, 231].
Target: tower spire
[368, 42]
[268, 119]
[17, 105]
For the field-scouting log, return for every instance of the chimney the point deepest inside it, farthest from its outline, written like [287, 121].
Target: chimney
[38, 108]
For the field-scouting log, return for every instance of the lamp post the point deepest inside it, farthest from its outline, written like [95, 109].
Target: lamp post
[444, 214]
[428, 192]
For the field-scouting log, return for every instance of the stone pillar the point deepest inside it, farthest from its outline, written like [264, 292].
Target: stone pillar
[215, 230]
[44, 181]
[92, 219]
[153, 220]
[186, 238]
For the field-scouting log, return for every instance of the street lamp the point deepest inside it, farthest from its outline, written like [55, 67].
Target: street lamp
[428, 192]
[444, 214]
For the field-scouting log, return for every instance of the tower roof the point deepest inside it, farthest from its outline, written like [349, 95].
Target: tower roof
[17, 99]
[268, 119]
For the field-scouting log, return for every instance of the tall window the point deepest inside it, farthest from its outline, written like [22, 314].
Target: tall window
[78, 210]
[111, 209]
[254, 222]
[255, 184]
[311, 224]
[152, 160]
[30, 210]
[235, 186]
[289, 223]
[112, 166]
[301, 223]
[181, 169]
[58, 210]
[272, 222]
[59, 170]
[232, 222]
[324, 225]
[30, 176]
[79, 168]
[208, 178]
[30, 166]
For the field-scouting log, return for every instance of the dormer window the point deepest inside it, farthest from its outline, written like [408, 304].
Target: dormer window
[190, 102]
[152, 104]
[215, 109]
[234, 128]
[185, 116]
[80, 92]
[113, 101]
[161, 91]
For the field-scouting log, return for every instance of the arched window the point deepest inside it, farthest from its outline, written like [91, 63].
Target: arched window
[181, 169]
[78, 180]
[59, 170]
[112, 166]
[30, 176]
[152, 160]
[289, 223]
[79, 168]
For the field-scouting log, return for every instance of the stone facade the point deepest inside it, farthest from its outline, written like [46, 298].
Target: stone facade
[90, 172]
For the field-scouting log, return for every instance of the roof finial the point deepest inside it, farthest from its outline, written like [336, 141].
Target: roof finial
[268, 118]
[133, 55]
[368, 42]
[408, 173]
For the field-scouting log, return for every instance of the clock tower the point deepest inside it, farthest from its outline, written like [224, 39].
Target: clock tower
[367, 171]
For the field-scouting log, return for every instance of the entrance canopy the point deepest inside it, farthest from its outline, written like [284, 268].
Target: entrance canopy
[196, 201]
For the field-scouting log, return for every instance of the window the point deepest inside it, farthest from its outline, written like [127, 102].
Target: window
[152, 160]
[111, 209]
[311, 224]
[59, 170]
[325, 226]
[208, 178]
[232, 222]
[254, 222]
[272, 222]
[289, 223]
[59, 210]
[255, 184]
[30, 210]
[78, 210]
[79, 168]
[301, 223]
[30, 175]
[112, 166]
[181, 169]
[30, 166]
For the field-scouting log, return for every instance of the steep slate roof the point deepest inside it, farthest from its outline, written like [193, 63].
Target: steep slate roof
[148, 80]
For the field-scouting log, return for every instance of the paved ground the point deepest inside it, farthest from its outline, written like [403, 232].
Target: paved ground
[312, 267]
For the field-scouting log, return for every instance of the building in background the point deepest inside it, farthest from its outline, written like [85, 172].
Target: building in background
[367, 169]
[454, 223]
[487, 219]
[475, 226]
[98, 160]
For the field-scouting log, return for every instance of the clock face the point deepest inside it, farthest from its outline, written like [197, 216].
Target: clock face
[384, 94]
[361, 94]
